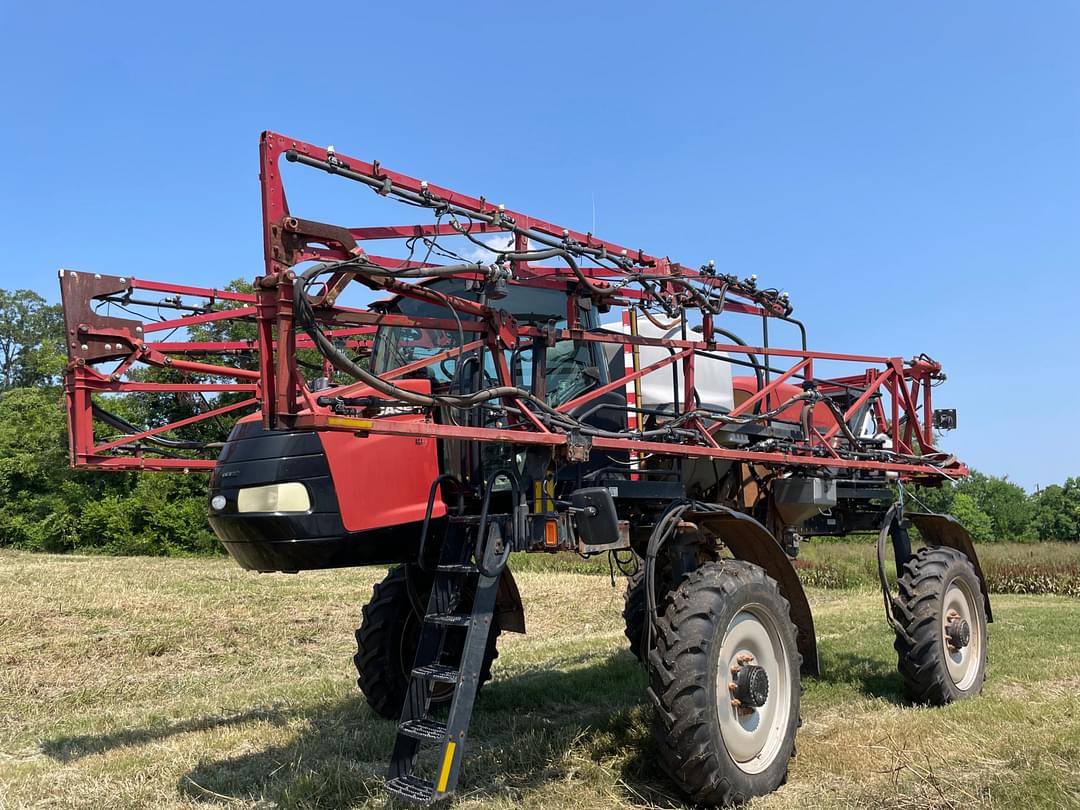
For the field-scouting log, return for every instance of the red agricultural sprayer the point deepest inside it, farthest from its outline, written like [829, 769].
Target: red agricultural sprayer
[520, 386]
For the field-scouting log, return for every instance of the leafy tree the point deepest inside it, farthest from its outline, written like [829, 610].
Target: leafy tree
[46, 505]
[934, 499]
[31, 340]
[1012, 513]
[978, 524]
[148, 410]
[1057, 512]
[1008, 506]
[40, 494]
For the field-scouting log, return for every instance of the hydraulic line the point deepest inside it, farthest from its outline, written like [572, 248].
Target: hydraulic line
[768, 299]
[306, 317]
[706, 297]
[540, 255]
[895, 512]
[663, 530]
[759, 373]
[124, 426]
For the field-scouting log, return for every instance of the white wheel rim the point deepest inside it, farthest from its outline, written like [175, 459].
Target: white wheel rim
[963, 663]
[753, 737]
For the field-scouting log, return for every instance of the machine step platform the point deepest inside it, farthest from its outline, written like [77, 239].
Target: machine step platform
[447, 613]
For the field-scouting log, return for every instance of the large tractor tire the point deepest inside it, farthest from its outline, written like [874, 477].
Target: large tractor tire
[386, 647]
[942, 647]
[724, 678]
[635, 610]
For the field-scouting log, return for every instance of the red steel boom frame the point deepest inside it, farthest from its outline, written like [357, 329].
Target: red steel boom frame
[612, 276]
[106, 354]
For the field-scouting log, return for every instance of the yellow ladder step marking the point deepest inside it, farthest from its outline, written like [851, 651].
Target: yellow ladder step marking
[448, 760]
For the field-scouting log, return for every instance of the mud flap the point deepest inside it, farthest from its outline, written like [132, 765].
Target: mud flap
[509, 611]
[748, 540]
[945, 530]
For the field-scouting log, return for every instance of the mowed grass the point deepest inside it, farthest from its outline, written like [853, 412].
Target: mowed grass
[143, 682]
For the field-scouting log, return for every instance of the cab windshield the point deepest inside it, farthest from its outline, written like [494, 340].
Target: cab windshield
[571, 366]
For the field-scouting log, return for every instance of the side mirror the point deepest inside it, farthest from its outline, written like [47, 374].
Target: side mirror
[594, 515]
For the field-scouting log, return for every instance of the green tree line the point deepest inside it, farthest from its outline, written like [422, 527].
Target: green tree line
[996, 509]
[46, 505]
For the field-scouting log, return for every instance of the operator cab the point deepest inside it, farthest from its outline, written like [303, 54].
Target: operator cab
[558, 373]
[572, 367]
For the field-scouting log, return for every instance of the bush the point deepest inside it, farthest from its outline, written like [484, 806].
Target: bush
[47, 506]
[972, 518]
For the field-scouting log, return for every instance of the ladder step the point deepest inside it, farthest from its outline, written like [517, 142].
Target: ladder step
[449, 619]
[423, 729]
[436, 672]
[474, 519]
[462, 568]
[411, 788]
[433, 664]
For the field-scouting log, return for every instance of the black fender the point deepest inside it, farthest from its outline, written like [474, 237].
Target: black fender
[509, 611]
[945, 530]
[750, 541]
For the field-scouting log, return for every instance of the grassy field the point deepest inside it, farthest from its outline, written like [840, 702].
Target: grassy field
[144, 682]
[1041, 568]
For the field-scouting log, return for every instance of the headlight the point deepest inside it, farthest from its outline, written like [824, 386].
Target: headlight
[218, 502]
[291, 497]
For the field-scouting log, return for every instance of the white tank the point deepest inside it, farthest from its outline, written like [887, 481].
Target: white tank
[712, 378]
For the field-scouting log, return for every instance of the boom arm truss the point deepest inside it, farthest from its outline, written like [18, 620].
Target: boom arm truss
[294, 309]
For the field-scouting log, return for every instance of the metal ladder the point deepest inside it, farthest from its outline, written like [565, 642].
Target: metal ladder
[458, 562]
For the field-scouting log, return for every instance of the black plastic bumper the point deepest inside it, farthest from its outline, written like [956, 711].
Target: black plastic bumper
[293, 541]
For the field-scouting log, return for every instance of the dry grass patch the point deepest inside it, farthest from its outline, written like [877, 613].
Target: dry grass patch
[190, 683]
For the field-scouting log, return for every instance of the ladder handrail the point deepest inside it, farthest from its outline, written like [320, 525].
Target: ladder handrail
[449, 478]
[482, 533]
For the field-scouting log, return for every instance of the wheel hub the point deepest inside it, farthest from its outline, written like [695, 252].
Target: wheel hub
[751, 686]
[753, 689]
[958, 632]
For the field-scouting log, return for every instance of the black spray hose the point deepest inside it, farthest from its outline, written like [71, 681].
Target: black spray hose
[124, 426]
[896, 512]
[759, 373]
[306, 317]
[551, 253]
[424, 272]
[841, 422]
[663, 531]
[340, 361]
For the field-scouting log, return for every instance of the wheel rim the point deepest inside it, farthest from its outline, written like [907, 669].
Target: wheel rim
[753, 736]
[962, 662]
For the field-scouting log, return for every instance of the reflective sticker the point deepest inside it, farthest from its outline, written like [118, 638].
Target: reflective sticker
[348, 422]
[448, 760]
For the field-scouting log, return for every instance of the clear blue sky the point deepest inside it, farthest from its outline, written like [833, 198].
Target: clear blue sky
[910, 172]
